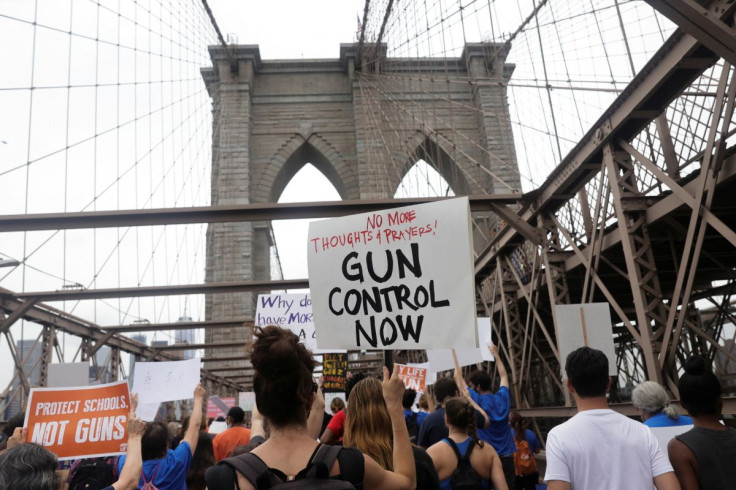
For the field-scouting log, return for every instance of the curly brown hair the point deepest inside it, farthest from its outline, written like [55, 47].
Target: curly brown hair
[283, 381]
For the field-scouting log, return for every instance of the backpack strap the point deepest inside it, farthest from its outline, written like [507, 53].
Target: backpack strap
[454, 447]
[253, 469]
[153, 475]
[321, 463]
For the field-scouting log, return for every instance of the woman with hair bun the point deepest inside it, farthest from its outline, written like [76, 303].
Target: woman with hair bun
[703, 457]
[463, 442]
[285, 391]
[653, 405]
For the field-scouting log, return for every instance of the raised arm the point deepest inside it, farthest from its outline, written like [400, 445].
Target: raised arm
[256, 424]
[463, 387]
[192, 434]
[499, 364]
[316, 414]
[404, 474]
[131, 472]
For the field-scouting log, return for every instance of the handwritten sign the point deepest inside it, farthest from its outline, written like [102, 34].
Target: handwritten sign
[80, 422]
[394, 279]
[290, 311]
[165, 381]
[334, 372]
[586, 325]
[247, 400]
[413, 377]
[218, 407]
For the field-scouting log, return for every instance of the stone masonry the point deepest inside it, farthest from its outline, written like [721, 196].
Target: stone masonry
[362, 127]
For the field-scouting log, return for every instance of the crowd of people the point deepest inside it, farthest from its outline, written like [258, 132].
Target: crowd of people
[465, 436]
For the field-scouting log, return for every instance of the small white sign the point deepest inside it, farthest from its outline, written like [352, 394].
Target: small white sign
[166, 381]
[400, 278]
[585, 325]
[217, 427]
[68, 374]
[247, 400]
[441, 359]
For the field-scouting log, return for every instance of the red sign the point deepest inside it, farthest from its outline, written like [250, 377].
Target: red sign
[413, 377]
[214, 411]
[82, 422]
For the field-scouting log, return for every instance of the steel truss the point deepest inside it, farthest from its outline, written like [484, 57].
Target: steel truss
[638, 215]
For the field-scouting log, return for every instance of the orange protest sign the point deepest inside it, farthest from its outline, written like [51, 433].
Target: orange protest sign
[413, 377]
[82, 422]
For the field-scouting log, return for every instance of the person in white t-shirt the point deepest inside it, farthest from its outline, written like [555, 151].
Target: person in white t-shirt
[600, 448]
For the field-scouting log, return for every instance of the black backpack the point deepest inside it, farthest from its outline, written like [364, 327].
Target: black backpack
[92, 474]
[464, 477]
[413, 427]
[315, 475]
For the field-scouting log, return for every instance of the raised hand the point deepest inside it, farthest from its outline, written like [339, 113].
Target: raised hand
[393, 387]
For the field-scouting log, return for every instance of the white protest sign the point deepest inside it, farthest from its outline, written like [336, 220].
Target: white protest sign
[217, 426]
[165, 381]
[147, 411]
[67, 374]
[586, 325]
[665, 434]
[395, 279]
[247, 400]
[441, 359]
[290, 311]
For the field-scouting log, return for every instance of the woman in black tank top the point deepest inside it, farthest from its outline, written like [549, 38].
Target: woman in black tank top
[705, 456]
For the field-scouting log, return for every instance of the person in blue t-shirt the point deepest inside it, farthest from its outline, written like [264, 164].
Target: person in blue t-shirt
[433, 428]
[496, 406]
[168, 468]
[653, 405]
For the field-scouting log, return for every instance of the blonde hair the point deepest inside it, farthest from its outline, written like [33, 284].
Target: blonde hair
[422, 403]
[368, 424]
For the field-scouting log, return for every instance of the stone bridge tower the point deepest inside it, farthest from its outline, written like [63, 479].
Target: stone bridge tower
[363, 128]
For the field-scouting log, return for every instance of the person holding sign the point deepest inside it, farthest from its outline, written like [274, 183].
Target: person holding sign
[284, 391]
[496, 406]
[368, 428]
[29, 466]
[167, 468]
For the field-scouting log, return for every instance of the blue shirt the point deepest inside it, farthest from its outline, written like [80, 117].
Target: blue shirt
[462, 447]
[433, 428]
[498, 433]
[420, 416]
[532, 440]
[172, 470]
[662, 420]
